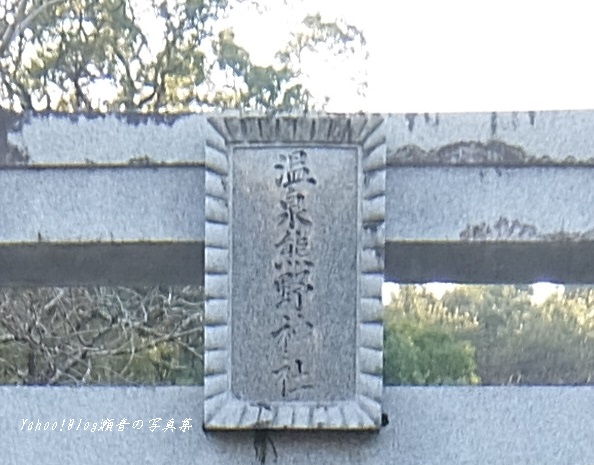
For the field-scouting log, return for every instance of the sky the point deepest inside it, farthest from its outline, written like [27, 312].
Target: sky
[540, 291]
[446, 56]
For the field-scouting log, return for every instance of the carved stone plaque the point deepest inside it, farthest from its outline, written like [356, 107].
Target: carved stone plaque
[293, 271]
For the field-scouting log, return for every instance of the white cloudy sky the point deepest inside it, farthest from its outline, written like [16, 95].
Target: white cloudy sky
[436, 55]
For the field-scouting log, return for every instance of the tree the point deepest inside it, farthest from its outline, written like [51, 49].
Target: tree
[493, 333]
[422, 346]
[419, 354]
[101, 335]
[74, 55]
[520, 342]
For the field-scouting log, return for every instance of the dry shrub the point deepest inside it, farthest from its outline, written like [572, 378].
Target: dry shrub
[106, 335]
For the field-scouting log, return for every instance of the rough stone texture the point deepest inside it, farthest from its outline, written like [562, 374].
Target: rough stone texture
[488, 262]
[430, 203]
[336, 129]
[542, 137]
[554, 136]
[427, 426]
[490, 204]
[476, 226]
[92, 139]
[294, 211]
[494, 153]
[326, 351]
[101, 205]
[535, 425]
[102, 264]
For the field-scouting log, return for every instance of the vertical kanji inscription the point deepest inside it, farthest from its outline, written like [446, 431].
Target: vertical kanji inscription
[293, 279]
[297, 236]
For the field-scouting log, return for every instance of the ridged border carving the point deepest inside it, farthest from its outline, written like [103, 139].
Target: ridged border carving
[222, 410]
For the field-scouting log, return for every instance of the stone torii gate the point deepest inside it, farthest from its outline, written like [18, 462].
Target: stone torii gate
[468, 198]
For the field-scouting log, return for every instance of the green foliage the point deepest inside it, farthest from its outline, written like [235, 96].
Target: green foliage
[510, 339]
[421, 347]
[338, 38]
[427, 355]
[98, 55]
[257, 87]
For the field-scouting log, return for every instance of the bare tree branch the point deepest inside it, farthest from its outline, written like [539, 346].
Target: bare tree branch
[9, 32]
[87, 335]
[21, 22]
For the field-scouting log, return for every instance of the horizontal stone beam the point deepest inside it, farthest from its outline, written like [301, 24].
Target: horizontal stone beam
[182, 263]
[426, 425]
[463, 203]
[101, 205]
[63, 139]
[432, 204]
[145, 225]
[119, 199]
[515, 138]
[102, 264]
[490, 262]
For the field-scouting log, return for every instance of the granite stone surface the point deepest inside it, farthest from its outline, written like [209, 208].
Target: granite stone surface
[469, 203]
[548, 137]
[538, 425]
[544, 136]
[108, 205]
[107, 139]
[315, 311]
[294, 211]
[166, 203]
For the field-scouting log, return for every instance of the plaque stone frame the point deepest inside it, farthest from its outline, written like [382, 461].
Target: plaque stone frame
[363, 135]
